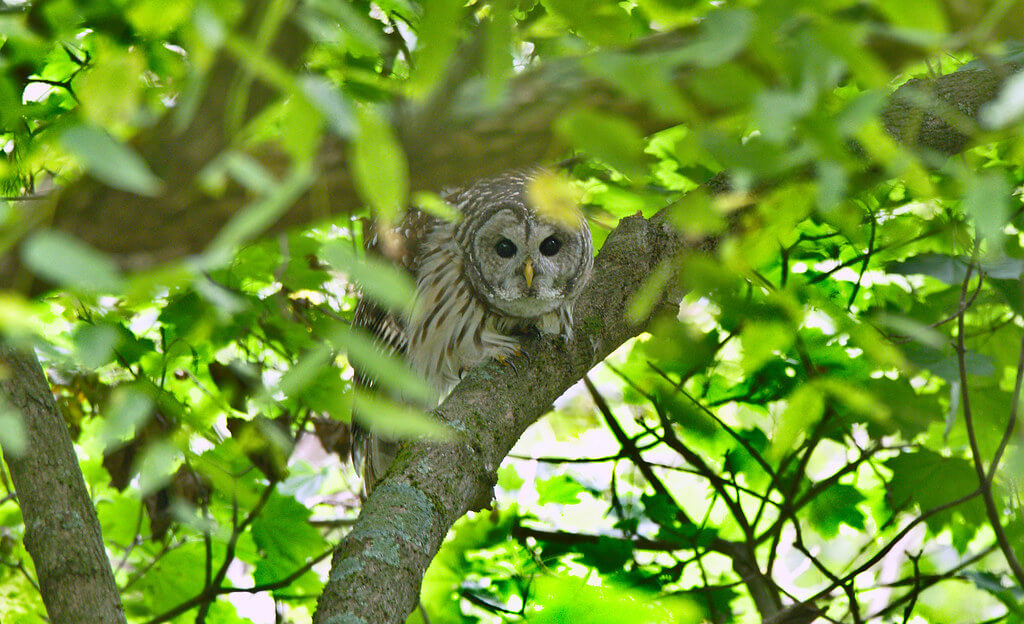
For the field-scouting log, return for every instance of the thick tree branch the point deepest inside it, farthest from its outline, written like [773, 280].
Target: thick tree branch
[460, 143]
[377, 570]
[62, 532]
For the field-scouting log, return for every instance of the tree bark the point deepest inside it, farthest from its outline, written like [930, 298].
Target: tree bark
[62, 532]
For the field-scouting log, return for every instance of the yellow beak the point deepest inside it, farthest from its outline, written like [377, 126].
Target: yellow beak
[528, 272]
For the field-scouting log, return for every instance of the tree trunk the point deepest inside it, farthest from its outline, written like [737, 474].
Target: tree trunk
[62, 532]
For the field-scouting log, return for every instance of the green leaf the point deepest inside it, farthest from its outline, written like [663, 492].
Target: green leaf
[724, 34]
[927, 15]
[331, 103]
[285, 539]
[301, 128]
[560, 490]
[604, 23]
[563, 600]
[381, 281]
[12, 430]
[388, 371]
[129, 407]
[110, 90]
[834, 506]
[988, 202]
[1001, 587]
[255, 218]
[804, 409]
[436, 41]
[914, 479]
[111, 162]
[498, 47]
[396, 420]
[613, 139]
[68, 262]
[379, 167]
[607, 554]
[1008, 107]
[433, 204]
[764, 341]
[159, 18]
[947, 269]
[642, 302]
[157, 465]
[94, 344]
[175, 577]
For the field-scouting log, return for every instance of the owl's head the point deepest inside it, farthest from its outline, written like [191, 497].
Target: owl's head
[519, 262]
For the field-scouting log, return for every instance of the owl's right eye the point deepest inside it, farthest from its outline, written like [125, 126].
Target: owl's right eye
[505, 248]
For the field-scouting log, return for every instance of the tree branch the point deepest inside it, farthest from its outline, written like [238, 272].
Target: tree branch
[378, 568]
[62, 532]
[462, 143]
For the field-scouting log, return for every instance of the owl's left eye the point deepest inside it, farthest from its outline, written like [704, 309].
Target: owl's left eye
[505, 248]
[550, 246]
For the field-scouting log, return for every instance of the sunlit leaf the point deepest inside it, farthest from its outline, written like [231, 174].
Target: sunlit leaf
[556, 199]
[559, 490]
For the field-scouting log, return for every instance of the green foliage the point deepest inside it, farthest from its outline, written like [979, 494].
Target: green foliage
[811, 422]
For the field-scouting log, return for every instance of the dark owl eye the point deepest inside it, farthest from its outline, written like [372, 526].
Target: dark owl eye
[505, 248]
[550, 246]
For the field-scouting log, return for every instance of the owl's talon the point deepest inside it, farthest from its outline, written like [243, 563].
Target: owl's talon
[505, 360]
[519, 353]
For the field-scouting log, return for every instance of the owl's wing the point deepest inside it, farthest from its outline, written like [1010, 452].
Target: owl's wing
[371, 454]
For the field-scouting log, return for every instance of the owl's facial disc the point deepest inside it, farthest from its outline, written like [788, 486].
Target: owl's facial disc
[526, 266]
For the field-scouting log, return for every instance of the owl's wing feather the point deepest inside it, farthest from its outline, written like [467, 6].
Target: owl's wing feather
[370, 454]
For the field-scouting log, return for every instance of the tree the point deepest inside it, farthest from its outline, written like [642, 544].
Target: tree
[799, 359]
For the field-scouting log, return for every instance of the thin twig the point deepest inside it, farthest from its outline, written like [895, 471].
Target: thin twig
[984, 481]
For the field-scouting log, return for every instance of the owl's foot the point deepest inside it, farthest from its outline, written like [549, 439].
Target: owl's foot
[507, 360]
[510, 360]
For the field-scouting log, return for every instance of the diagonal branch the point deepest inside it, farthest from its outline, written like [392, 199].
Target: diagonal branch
[378, 568]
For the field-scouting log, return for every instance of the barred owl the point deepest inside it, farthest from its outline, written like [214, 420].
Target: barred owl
[482, 282]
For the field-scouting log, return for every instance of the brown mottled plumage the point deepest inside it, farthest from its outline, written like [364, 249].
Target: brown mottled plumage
[501, 271]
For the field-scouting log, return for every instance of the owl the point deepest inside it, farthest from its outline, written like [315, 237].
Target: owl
[500, 272]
